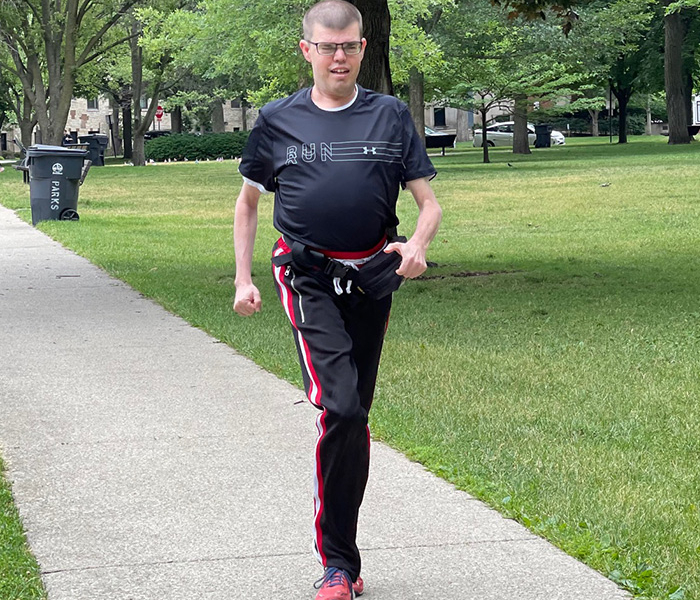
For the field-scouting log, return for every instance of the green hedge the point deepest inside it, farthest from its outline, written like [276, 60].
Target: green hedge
[181, 146]
[636, 125]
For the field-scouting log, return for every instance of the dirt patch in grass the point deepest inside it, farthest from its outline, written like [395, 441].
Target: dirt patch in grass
[463, 274]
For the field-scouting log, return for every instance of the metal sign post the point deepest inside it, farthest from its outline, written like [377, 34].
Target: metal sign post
[610, 112]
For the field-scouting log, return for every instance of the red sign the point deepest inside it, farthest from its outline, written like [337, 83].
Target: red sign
[159, 112]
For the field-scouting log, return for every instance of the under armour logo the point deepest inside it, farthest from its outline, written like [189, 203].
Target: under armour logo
[367, 150]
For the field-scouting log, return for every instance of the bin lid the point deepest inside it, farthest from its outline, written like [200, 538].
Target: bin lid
[59, 151]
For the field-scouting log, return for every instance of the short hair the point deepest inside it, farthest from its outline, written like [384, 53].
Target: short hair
[333, 14]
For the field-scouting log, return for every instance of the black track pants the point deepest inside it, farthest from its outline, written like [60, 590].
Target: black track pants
[339, 339]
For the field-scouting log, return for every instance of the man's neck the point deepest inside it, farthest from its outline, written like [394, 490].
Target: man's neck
[325, 102]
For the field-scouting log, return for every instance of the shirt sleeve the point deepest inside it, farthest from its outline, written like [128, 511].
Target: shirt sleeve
[257, 162]
[416, 163]
[258, 186]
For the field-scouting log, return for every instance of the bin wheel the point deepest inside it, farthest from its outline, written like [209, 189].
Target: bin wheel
[69, 215]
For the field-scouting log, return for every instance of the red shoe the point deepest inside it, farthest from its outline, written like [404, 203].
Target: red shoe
[358, 587]
[335, 585]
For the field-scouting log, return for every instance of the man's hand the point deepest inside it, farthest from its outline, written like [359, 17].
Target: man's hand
[412, 253]
[412, 258]
[247, 300]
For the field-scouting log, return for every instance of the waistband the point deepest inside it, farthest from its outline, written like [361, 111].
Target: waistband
[341, 255]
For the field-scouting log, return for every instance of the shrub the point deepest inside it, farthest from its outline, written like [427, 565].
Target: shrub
[182, 146]
[635, 125]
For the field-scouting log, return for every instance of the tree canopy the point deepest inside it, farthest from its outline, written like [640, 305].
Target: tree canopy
[49, 41]
[470, 53]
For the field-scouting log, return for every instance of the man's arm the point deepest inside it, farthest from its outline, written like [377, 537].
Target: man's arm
[412, 253]
[245, 225]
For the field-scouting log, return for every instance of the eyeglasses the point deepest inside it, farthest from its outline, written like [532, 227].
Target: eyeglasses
[330, 48]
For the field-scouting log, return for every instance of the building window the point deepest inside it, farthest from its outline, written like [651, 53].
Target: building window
[235, 103]
[93, 104]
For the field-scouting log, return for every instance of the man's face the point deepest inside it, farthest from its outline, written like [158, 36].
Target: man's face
[334, 75]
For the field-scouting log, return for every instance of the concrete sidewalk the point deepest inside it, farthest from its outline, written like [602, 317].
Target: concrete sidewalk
[149, 461]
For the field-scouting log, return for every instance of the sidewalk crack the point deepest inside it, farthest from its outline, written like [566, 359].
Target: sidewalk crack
[270, 555]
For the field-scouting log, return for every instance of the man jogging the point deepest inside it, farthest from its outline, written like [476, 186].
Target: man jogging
[335, 156]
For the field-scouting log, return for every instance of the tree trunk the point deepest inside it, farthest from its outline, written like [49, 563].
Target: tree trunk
[463, 131]
[375, 73]
[244, 114]
[521, 141]
[143, 121]
[674, 33]
[176, 120]
[126, 121]
[115, 129]
[59, 53]
[49, 82]
[647, 127]
[25, 129]
[30, 73]
[26, 121]
[595, 127]
[416, 100]
[622, 100]
[138, 151]
[217, 116]
[484, 141]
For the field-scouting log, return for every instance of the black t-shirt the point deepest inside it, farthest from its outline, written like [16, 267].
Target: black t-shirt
[335, 174]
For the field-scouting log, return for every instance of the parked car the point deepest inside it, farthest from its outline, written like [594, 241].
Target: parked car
[438, 139]
[154, 133]
[501, 134]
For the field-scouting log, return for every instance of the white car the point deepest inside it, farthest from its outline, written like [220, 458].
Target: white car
[501, 134]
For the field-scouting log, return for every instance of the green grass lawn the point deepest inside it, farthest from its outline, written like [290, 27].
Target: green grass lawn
[19, 573]
[548, 365]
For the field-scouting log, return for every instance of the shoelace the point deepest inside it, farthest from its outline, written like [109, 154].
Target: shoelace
[334, 577]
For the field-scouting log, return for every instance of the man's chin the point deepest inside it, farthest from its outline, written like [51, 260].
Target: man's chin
[343, 89]
[336, 90]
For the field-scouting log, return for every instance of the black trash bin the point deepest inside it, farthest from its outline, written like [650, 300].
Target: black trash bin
[55, 173]
[543, 136]
[97, 145]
